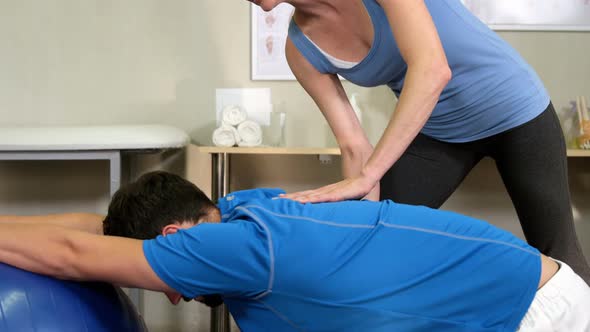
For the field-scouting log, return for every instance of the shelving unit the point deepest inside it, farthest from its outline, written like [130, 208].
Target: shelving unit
[270, 150]
[578, 153]
[318, 151]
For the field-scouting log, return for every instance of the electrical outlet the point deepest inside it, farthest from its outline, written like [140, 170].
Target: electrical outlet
[325, 159]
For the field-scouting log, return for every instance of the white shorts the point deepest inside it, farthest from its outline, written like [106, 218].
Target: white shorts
[562, 304]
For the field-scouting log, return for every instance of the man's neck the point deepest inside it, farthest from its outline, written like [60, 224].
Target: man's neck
[213, 216]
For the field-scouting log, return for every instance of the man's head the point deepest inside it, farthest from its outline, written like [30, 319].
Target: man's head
[159, 203]
[143, 209]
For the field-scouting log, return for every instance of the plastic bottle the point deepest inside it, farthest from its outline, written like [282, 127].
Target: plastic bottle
[355, 106]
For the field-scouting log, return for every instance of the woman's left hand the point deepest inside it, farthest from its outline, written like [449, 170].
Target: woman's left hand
[352, 188]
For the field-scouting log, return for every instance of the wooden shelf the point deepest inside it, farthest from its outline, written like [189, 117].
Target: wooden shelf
[316, 151]
[270, 150]
[578, 153]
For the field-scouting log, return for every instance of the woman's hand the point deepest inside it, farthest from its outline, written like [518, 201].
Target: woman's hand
[352, 188]
[374, 195]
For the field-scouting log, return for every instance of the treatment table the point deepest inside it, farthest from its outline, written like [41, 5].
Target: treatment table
[90, 143]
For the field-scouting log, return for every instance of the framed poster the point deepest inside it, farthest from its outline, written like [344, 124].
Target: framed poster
[565, 15]
[269, 35]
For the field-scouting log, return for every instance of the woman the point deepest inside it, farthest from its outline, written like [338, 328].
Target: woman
[463, 94]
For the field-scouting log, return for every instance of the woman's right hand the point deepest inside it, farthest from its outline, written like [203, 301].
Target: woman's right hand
[357, 187]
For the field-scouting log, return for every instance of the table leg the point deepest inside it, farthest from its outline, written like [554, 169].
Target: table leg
[115, 170]
[219, 188]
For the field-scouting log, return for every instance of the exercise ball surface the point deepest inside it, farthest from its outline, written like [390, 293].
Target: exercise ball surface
[36, 303]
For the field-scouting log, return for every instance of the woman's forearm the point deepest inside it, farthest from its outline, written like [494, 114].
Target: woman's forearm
[354, 158]
[422, 89]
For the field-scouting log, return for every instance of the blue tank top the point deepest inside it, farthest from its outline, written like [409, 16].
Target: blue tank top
[351, 266]
[492, 89]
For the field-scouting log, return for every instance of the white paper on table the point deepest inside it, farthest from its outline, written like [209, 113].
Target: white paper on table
[256, 102]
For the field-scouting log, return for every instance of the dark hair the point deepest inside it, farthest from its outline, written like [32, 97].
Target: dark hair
[143, 208]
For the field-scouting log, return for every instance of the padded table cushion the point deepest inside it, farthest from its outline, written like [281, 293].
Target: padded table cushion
[88, 138]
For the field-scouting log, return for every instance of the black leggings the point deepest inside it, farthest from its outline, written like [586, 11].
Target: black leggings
[532, 162]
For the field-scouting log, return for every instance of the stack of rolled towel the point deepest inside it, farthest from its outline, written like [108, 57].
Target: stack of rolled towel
[236, 129]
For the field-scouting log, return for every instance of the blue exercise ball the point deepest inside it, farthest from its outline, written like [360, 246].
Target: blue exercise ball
[36, 303]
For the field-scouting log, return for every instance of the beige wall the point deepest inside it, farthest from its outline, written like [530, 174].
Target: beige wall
[154, 61]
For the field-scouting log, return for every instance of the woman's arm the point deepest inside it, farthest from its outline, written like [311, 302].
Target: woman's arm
[330, 97]
[86, 222]
[427, 75]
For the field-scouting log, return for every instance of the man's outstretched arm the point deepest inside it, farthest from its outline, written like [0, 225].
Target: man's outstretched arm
[86, 222]
[76, 255]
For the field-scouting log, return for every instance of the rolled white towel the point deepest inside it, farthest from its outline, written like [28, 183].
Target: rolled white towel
[250, 133]
[226, 136]
[233, 115]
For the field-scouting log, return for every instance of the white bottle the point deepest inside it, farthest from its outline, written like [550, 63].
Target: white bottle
[355, 107]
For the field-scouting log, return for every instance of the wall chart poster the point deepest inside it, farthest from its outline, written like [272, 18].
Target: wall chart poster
[269, 35]
[567, 15]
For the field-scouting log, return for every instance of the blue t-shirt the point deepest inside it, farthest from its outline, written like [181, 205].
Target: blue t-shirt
[492, 89]
[351, 266]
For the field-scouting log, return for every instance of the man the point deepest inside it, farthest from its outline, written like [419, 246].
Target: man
[280, 265]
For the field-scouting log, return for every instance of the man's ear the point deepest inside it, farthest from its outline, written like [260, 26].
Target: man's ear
[170, 229]
[173, 297]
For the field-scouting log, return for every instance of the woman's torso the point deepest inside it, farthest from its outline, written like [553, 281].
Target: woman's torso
[492, 90]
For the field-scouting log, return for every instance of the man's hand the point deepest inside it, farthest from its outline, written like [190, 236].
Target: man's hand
[353, 188]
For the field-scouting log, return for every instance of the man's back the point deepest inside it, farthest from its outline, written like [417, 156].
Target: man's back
[370, 266]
